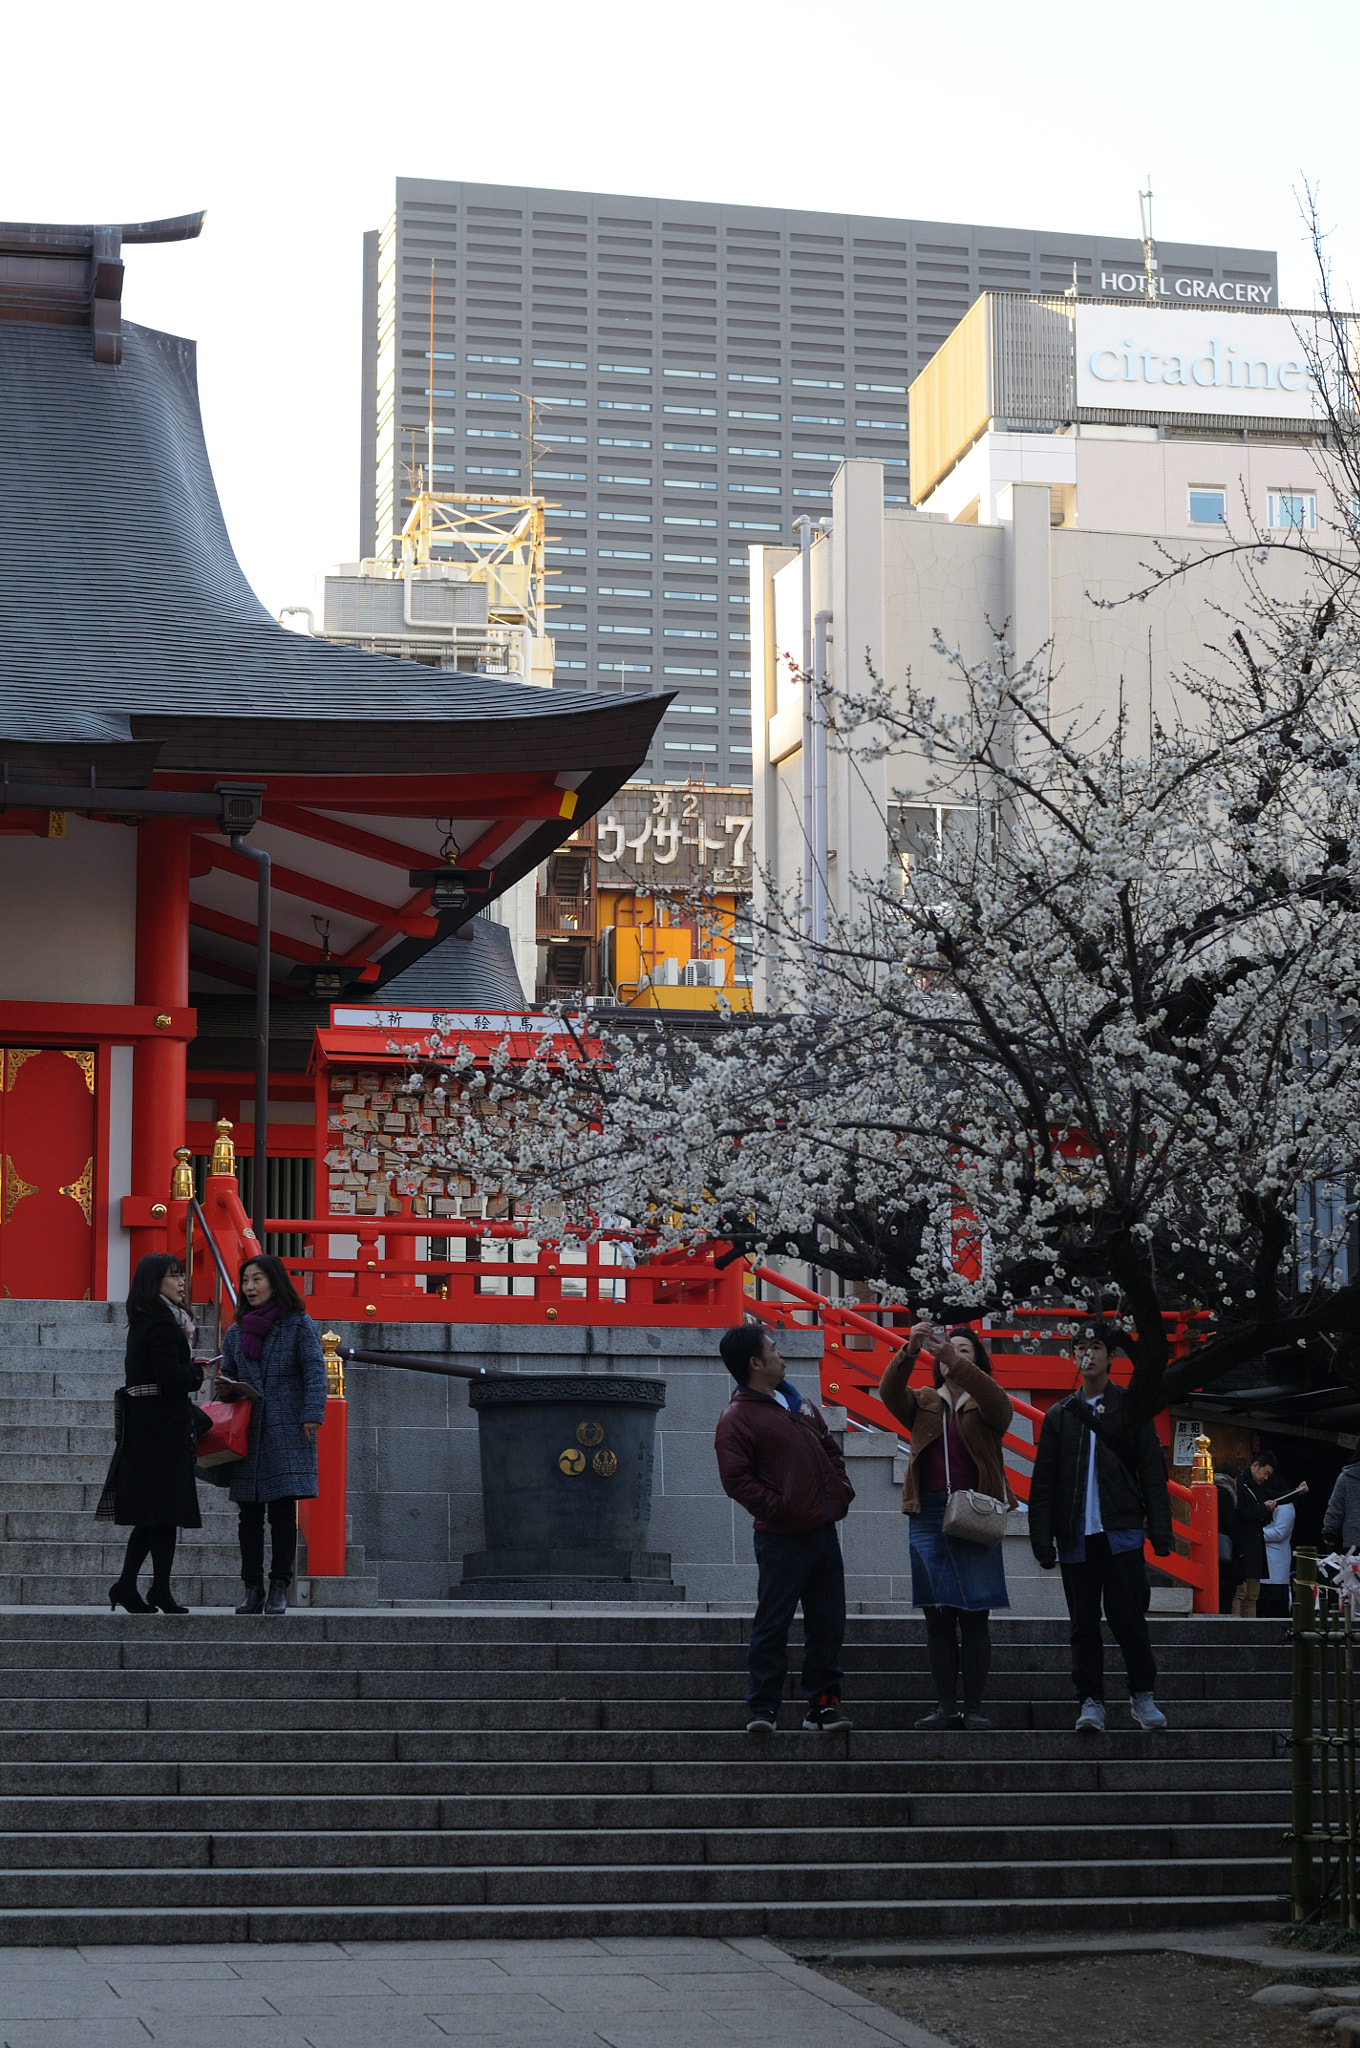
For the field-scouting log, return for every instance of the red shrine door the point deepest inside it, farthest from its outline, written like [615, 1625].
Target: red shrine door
[47, 1142]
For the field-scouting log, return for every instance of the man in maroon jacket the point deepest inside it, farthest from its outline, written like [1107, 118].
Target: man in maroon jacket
[777, 1457]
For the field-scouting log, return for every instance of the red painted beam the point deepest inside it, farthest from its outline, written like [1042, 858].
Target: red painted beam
[312, 890]
[329, 832]
[236, 928]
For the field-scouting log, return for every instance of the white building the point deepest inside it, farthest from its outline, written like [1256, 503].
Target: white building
[1063, 452]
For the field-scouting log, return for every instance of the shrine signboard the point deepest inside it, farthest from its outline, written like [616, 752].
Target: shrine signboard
[662, 837]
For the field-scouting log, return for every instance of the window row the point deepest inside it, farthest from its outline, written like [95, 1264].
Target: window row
[1286, 511]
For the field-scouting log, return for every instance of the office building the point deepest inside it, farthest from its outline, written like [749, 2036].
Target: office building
[698, 372]
[1061, 452]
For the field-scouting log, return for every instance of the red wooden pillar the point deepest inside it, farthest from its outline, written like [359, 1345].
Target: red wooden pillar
[162, 972]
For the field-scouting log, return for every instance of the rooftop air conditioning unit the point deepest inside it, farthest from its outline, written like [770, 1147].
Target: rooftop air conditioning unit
[705, 974]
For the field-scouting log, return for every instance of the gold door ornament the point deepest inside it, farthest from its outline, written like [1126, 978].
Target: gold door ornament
[16, 1187]
[605, 1464]
[589, 1434]
[15, 1058]
[572, 1462]
[85, 1061]
[81, 1191]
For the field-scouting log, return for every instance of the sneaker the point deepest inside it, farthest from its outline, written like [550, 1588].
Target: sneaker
[1146, 1713]
[941, 1717]
[824, 1714]
[762, 1722]
[1091, 1719]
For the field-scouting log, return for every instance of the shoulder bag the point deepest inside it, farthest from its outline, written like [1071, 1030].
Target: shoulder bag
[970, 1516]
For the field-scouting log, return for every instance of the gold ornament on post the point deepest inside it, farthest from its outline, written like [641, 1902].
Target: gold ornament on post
[182, 1178]
[335, 1365]
[223, 1151]
[1202, 1473]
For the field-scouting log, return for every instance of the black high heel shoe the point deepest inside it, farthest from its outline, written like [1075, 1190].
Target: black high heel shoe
[128, 1598]
[163, 1600]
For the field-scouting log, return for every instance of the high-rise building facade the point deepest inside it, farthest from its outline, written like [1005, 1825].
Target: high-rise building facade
[697, 373]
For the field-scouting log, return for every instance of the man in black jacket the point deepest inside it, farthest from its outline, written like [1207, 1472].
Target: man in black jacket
[1095, 1484]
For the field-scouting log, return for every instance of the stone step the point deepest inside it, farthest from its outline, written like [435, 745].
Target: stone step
[618, 1884]
[212, 1550]
[73, 1383]
[641, 1631]
[47, 1497]
[16, 1310]
[46, 1466]
[40, 1590]
[1235, 1844]
[1125, 1757]
[273, 1675]
[91, 1816]
[134, 1709]
[826, 1918]
[43, 1439]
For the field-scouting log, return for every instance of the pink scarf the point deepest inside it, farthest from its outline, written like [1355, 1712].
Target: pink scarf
[255, 1326]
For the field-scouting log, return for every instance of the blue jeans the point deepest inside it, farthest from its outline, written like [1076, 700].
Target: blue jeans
[794, 1568]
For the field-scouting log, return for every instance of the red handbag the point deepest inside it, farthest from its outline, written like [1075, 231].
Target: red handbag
[228, 1441]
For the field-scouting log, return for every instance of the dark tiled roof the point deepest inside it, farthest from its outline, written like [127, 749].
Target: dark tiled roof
[121, 597]
[474, 971]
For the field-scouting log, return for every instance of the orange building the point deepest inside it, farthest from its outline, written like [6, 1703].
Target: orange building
[644, 906]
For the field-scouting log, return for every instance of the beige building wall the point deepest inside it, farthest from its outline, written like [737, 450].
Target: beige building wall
[895, 579]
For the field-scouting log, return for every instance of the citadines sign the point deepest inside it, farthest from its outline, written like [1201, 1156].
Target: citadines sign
[1139, 360]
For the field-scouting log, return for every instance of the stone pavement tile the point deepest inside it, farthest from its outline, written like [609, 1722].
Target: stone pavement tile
[56, 1995]
[104, 1955]
[299, 1979]
[199, 1971]
[122, 2032]
[339, 2030]
[178, 1998]
[451, 1950]
[649, 1946]
[204, 2032]
[507, 2012]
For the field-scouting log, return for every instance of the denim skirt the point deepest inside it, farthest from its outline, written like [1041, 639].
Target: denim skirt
[946, 1571]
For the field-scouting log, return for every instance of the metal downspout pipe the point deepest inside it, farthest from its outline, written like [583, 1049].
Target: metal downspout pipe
[259, 1207]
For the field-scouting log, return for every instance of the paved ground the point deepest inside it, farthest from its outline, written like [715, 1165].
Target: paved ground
[514, 1994]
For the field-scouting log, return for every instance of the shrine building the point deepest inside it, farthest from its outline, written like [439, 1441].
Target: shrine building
[160, 734]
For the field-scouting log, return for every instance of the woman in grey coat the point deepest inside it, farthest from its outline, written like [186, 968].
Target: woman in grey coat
[272, 1357]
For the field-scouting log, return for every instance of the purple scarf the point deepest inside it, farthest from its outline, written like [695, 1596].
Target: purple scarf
[255, 1326]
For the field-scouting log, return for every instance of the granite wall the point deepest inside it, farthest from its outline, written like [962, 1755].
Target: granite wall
[415, 1483]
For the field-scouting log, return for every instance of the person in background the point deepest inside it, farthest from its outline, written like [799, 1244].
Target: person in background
[272, 1357]
[152, 1481]
[1253, 1512]
[1279, 1541]
[954, 1582]
[779, 1461]
[1341, 1523]
[1098, 1481]
[1229, 1567]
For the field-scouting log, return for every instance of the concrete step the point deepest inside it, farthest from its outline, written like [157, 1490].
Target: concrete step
[619, 1884]
[662, 1847]
[42, 1439]
[827, 1918]
[212, 1550]
[91, 1816]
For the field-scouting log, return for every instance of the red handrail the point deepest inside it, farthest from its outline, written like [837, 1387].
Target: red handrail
[848, 1384]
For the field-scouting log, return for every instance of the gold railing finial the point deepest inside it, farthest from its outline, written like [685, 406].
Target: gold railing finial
[1202, 1473]
[335, 1365]
[182, 1178]
[223, 1151]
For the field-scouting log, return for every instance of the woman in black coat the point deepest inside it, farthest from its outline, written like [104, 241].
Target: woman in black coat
[153, 1480]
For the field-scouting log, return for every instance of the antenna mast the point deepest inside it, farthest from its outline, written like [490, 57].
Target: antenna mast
[429, 432]
[1149, 246]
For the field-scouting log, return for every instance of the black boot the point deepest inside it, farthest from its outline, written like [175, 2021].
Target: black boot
[277, 1603]
[253, 1602]
[162, 1598]
[127, 1597]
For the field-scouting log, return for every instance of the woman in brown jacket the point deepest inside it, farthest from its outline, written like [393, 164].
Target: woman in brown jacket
[956, 1583]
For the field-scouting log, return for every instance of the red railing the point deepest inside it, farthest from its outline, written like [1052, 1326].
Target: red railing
[363, 1269]
[856, 1350]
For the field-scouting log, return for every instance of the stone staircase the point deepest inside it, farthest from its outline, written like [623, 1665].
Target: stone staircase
[60, 1362]
[405, 1775]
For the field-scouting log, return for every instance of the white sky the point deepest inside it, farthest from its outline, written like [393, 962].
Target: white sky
[290, 121]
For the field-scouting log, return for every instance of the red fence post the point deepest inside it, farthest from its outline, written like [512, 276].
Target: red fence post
[1204, 1528]
[327, 1516]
